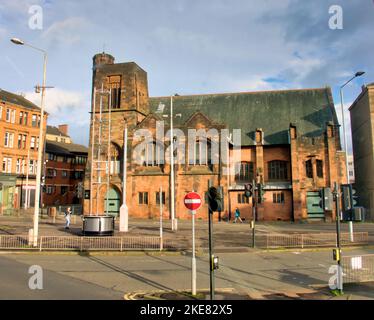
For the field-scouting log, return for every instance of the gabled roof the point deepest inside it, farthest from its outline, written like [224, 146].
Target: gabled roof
[12, 98]
[272, 111]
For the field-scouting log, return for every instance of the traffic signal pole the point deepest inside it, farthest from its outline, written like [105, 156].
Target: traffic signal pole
[211, 255]
[254, 208]
[211, 269]
[339, 252]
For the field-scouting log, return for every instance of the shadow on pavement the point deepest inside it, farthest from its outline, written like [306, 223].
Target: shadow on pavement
[130, 274]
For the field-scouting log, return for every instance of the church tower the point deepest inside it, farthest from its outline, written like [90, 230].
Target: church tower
[119, 98]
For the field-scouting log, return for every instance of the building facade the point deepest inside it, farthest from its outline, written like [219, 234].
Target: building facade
[351, 168]
[59, 134]
[287, 140]
[19, 143]
[362, 124]
[64, 169]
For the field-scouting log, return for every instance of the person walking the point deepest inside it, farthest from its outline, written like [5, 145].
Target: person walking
[237, 216]
[67, 218]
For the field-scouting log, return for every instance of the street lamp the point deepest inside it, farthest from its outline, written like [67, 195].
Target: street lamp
[174, 225]
[41, 144]
[174, 221]
[357, 74]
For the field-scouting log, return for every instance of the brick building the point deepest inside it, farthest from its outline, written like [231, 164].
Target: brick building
[362, 124]
[64, 168]
[19, 142]
[289, 141]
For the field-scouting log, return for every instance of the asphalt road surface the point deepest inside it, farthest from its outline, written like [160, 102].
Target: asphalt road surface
[73, 276]
[14, 283]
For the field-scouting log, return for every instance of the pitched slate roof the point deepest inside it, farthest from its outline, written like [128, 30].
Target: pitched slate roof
[272, 111]
[12, 98]
[55, 131]
[65, 149]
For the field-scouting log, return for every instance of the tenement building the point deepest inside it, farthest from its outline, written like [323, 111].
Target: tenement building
[287, 140]
[362, 124]
[65, 163]
[19, 143]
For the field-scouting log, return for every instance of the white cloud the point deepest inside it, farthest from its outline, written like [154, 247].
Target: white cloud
[68, 107]
[59, 100]
[66, 32]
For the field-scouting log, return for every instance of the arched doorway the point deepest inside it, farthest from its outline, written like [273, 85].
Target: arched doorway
[112, 202]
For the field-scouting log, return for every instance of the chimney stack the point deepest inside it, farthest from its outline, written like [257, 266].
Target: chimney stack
[63, 128]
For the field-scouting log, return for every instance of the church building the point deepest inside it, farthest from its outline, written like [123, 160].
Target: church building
[286, 139]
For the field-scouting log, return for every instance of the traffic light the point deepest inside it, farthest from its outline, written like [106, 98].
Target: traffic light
[354, 198]
[261, 192]
[215, 199]
[248, 190]
[327, 199]
[346, 197]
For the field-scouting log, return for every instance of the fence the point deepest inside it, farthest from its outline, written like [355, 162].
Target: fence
[76, 209]
[358, 268]
[274, 241]
[82, 243]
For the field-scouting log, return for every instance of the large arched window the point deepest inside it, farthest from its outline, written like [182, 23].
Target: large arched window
[277, 170]
[244, 171]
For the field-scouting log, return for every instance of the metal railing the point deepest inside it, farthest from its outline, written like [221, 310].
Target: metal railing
[76, 209]
[307, 240]
[358, 268]
[14, 242]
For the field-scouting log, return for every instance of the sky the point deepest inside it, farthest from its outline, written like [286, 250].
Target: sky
[186, 47]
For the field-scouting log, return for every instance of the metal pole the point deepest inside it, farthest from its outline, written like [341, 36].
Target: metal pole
[193, 212]
[337, 206]
[254, 215]
[99, 151]
[211, 269]
[108, 156]
[27, 180]
[161, 213]
[350, 223]
[92, 148]
[211, 255]
[174, 226]
[40, 153]
[344, 135]
[124, 214]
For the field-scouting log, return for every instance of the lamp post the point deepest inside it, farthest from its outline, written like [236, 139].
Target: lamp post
[174, 221]
[174, 226]
[357, 74]
[41, 144]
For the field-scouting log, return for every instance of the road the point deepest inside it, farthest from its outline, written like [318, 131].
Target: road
[256, 273]
[14, 283]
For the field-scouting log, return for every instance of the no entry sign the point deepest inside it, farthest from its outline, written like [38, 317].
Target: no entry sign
[192, 201]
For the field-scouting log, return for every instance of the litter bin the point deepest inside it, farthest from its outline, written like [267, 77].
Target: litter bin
[98, 225]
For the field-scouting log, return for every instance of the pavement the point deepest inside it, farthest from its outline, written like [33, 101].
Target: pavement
[226, 235]
[249, 275]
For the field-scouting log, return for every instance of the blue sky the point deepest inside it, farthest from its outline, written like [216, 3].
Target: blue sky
[186, 46]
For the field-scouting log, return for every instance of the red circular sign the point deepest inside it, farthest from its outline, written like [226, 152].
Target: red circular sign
[192, 201]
